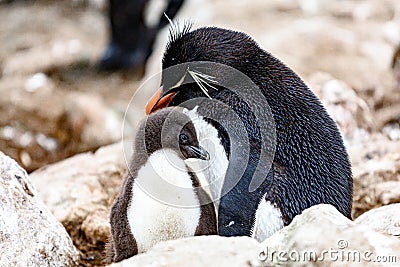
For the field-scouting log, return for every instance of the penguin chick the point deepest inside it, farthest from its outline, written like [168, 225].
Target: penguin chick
[161, 198]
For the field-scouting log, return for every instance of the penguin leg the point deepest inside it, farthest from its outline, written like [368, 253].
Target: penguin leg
[131, 41]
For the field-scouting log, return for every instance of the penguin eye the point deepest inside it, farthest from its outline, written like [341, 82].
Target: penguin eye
[183, 139]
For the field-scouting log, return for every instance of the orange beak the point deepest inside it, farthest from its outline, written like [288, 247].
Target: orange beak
[156, 102]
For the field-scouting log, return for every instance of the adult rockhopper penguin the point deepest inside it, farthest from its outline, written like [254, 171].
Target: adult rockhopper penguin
[161, 198]
[310, 165]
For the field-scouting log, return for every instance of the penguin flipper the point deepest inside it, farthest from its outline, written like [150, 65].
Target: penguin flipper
[208, 218]
[123, 242]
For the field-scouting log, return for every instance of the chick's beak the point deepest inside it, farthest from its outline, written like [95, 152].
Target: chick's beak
[197, 152]
[157, 101]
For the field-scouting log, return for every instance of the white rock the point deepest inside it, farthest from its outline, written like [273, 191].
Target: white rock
[349, 111]
[35, 82]
[29, 233]
[322, 230]
[387, 192]
[198, 252]
[385, 219]
[79, 192]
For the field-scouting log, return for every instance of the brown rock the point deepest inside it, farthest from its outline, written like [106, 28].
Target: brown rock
[376, 172]
[40, 125]
[96, 226]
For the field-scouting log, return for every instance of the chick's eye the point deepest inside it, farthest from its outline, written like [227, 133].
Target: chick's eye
[183, 139]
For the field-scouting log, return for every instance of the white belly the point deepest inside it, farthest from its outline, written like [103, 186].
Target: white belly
[164, 205]
[268, 221]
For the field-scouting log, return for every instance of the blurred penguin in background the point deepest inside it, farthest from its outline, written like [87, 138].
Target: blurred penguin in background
[132, 35]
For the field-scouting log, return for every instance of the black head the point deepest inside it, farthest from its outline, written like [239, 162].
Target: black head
[210, 44]
[172, 129]
[235, 49]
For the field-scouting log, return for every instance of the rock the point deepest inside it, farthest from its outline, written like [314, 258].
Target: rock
[79, 192]
[392, 131]
[62, 53]
[350, 112]
[387, 192]
[376, 172]
[327, 237]
[41, 125]
[385, 219]
[383, 149]
[29, 233]
[94, 123]
[320, 231]
[96, 225]
[367, 10]
[199, 251]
